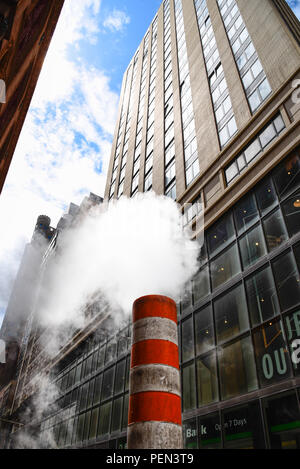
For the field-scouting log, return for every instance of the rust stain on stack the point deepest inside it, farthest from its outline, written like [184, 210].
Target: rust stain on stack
[154, 418]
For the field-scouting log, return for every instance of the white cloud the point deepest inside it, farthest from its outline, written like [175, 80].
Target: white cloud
[66, 138]
[116, 20]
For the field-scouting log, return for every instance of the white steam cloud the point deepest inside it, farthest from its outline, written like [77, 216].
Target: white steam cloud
[133, 247]
[111, 256]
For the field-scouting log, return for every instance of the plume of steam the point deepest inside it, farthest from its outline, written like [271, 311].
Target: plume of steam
[117, 253]
[131, 248]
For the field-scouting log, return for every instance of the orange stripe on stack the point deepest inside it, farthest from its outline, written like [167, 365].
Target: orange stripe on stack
[154, 418]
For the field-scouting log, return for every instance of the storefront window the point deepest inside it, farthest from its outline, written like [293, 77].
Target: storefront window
[188, 387]
[84, 394]
[237, 368]
[107, 386]
[266, 196]
[204, 330]
[104, 419]
[287, 280]
[283, 421]
[97, 390]
[252, 246]
[101, 357]
[225, 266]
[292, 328]
[262, 298]
[210, 432]
[190, 439]
[87, 425]
[91, 393]
[111, 350]
[272, 357]
[207, 383]
[287, 175]
[117, 414]
[201, 286]
[94, 422]
[231, 314]
[291, 210]
[125, 411]
[187, 339]
[246, 213]
[120, 376]
[275, 230]
[220, 235]
[243, 427]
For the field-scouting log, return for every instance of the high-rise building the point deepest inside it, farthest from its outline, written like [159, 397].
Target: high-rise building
[209, 112]
[26, 29]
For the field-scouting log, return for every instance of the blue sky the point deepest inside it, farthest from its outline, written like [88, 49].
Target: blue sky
[64, 147]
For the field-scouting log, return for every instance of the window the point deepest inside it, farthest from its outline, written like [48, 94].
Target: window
[252, 246]
[287, 280]
[266, 196]
[275, 230]
[225, 267]
[291, 210]
[187, 339]
[201, 287]
[204, 330]
[231, 314]
[105, 411]
[246, 213]
[188, 387]
[220, 235]
[271, 131]
[148, 182]
[171, 191]
[273, 363]
[170, 173]
[207, 384]
[287, 175]
[262, 298]
[170, 153]
[237, 368]
[192, 172]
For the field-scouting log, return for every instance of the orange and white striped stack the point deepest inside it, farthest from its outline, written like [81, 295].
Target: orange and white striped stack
[154, 418]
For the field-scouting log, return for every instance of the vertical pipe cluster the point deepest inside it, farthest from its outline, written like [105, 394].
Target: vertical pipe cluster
[154, 419]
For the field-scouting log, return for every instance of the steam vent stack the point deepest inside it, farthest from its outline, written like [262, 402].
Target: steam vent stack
[154, 418]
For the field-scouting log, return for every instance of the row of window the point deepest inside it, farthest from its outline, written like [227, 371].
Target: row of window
[170, 173]
[256, 359]
[192, 168]
[252, 230]
[141, 108]
[226, 124]
[272, 130]
[254, 80]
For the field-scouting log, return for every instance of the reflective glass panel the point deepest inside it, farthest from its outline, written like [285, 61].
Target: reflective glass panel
[207, 382]
[273, 362]
[287, 280]
[225, 267]
[275, 230]
[252, 246]
[262, 298]
[204, 330]
[237, 368]
[231, 316]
